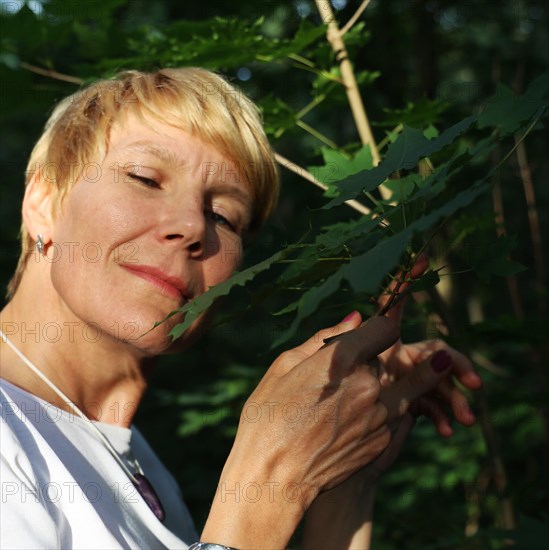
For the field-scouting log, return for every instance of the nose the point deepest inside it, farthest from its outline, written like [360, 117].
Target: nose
[185, 227]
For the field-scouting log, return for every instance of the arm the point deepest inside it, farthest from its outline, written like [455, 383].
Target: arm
[342, 517]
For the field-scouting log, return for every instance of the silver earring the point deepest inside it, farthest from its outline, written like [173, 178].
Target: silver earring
[40, 245]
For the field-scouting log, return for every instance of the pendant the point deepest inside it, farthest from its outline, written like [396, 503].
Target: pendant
[146, 490]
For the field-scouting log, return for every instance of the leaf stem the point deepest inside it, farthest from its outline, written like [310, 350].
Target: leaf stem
[318, 135]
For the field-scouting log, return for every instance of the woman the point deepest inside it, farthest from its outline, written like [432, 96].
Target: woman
[138, 196]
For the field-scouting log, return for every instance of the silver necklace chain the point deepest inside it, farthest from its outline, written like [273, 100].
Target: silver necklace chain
[75, 409]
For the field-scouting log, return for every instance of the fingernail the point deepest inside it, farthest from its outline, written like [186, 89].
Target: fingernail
[440, 361]
[349, 317]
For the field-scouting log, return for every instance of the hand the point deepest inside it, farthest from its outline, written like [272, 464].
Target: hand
[400, 359]
[322, 419]
[317, 417]
[342, 517]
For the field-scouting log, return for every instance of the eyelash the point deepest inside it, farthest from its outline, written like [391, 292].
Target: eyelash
[144, 180]
[218, 218]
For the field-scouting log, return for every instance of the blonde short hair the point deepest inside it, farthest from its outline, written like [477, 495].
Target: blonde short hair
[195, 100]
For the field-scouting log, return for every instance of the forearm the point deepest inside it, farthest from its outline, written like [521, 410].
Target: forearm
[258, 510]
[335, 524]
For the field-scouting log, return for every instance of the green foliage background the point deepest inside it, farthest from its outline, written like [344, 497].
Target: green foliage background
[422, 66]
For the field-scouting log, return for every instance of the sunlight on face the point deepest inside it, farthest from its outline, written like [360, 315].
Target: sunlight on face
[160, 224]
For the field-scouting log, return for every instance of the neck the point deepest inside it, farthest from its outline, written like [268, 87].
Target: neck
[104, 377]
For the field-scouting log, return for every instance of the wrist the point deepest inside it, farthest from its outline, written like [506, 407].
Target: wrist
[255, 511]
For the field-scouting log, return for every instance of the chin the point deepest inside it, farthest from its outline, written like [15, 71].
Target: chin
[192, 334]
[157, 341]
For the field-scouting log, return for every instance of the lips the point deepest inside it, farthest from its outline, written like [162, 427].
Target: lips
[167, 284]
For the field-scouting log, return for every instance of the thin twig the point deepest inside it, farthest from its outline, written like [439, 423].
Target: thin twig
[499, 474]
[395, 294]
[318, 135]
[354, 17]
[51, 74]
[497, 199]
[293, 167]
[533, 218]
[396, 130]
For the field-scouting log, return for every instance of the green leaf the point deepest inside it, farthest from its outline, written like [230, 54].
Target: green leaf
[338, 166]
[430, 132]
[194, 308]
[365, 272]
[507, 112]
[428, 280]
[304, 37]
[404, 153]
[420, 113]
[278, 116]
[490, 256]
[309, 303]
[332, 241]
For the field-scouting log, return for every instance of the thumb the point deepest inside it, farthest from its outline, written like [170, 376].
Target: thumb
[426, 376]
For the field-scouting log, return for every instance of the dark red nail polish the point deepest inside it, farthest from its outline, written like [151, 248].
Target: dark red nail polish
[440, 361]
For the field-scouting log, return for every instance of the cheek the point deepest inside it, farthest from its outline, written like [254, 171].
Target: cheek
[227, 259]
[95, 220]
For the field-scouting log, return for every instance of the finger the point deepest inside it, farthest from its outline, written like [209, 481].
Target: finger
[463, 368]
[314, 343]
[364, 343]
[419, 267]
[457, 402]
[425, 377]
[433, 409]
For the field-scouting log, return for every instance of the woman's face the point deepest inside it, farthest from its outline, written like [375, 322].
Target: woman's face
[143, 232]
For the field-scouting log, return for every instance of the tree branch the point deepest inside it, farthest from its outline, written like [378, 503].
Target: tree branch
[51, 74]
[335, 39]
[533, 218]
[288, 164]
[347, 27]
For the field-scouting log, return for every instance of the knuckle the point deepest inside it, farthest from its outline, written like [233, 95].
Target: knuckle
[383, 439]
[326, 333]
[382, 413]
[368, 386]
[288, 359]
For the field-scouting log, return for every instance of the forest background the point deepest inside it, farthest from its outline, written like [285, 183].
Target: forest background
[462, 176]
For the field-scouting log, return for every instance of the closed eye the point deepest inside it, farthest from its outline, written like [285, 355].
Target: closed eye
[145, 181]
[221, 220]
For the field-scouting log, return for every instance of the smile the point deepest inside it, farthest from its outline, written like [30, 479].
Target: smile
[168, 285]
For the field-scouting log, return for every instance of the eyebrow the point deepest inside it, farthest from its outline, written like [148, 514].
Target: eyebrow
[169, 156]
[162, 153]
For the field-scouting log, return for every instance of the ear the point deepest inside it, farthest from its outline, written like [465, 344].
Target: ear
[37, 208]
